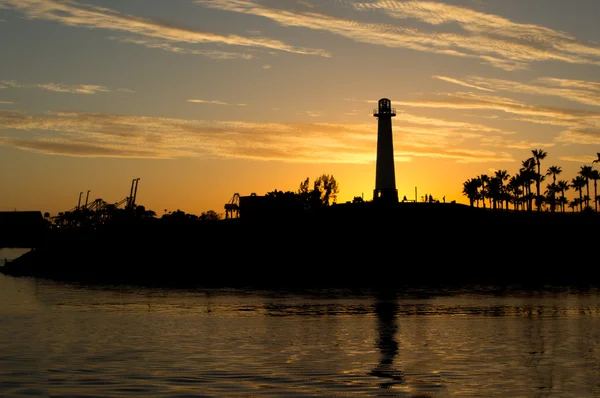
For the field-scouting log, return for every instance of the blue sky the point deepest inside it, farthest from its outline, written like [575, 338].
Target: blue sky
[204, 98]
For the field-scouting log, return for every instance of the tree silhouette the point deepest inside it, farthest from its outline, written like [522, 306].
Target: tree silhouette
[484, 180]
[586, 172]
[471, 190]
[518, 190]
[595, 176]
[577, 184]
[528, 177]
[514, 190]
[501, 176]
[553, 171]
[209, 215]
[564, 186]
[327, 187]
[538, 155]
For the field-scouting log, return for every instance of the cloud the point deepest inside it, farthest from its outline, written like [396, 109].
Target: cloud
[461, 83]
[580, 136]
[312, 113]
[496, 103]
[6, 102]
[492, 39]
[71, 13]
[212, 102]
[163, 45]
[501, 142]
[107, 135]
[580, 91]
[578, 159]
[583, 127]
[63, 88]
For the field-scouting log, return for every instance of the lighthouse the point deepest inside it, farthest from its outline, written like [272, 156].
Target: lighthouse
[385, 175]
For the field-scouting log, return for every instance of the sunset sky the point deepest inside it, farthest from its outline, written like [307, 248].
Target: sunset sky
[201, 99]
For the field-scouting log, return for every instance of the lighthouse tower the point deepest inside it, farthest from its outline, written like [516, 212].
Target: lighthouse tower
[385, 175]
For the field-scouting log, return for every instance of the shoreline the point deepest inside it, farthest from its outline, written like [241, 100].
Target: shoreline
[340, 247]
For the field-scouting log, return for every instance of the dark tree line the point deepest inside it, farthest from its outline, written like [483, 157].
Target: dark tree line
[323, 193]
[524, 189]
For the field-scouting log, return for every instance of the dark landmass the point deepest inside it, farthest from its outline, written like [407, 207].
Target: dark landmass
[350, 245]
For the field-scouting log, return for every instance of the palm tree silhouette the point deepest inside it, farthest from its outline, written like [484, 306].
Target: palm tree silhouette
[501, 176]
[573, 204]
[578, 183]
[597, 160]
[514, 190]
[553, 171]
[595, 175]
[538, 155]
[586, 172]
[563, 185]
[485, 180]
[471, 190]
[528, 176]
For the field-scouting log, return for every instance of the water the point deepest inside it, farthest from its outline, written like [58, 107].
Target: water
[69, 340]
[8, 254]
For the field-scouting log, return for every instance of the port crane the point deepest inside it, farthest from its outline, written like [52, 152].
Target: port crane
[232, 208]
[99, 208]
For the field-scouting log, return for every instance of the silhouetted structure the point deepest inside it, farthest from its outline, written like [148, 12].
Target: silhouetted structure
[385, 177]
[21, 228]
[132, 194]
[232, 208]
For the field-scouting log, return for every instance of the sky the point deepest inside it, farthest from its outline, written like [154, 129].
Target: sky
[201, 99]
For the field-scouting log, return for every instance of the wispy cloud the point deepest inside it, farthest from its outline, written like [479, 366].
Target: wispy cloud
[107, 135]
[167, 46]
[583, 127]
[578, 159]
[583, 92]
[312, 113]
[213, 102]
[6, 102]
[585, 136]
[461, 83]
[63, 88]
[72, 13]
[492, 39]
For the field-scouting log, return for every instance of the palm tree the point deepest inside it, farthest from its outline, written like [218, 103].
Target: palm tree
[485, 180]
[586, 172]
[553, 171]
[528, 177]
[578, 183]
[514, 189]
[563, 185]
[502, 175]
[538, 155]
[471, 190]
[574, 203]
[595, 175]
[597, 160]
[494, 192]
